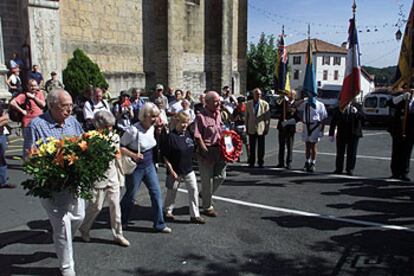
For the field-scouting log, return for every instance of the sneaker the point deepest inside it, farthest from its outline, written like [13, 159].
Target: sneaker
[210, 213]
[311, 168]
[85, 235]
[288, 166]
[122, 241]
[197, 220]
[337, 171]
[279, 166]
[349, 172]
[169, 216]
[306, 167]
[165, 230]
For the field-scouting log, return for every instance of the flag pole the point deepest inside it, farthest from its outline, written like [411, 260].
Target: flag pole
[284, 100]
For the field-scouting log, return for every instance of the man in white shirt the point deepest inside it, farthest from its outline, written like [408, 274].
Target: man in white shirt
[176, 106]
[313, 116]
[94, 105]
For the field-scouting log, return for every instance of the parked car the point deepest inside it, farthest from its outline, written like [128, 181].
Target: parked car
[329, 96]
[375, 107]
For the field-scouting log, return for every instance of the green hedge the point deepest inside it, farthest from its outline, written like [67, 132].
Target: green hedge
[80, 73]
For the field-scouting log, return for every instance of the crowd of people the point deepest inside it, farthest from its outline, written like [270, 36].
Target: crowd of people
[183, 134]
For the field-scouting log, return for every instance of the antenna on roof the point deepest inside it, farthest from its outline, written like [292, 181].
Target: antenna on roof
[354, 6]
[308, 31]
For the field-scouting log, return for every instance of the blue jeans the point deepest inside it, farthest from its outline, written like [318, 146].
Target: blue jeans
[3, 164]
[149, 176]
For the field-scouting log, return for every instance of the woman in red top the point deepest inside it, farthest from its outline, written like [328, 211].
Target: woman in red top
[30, 103]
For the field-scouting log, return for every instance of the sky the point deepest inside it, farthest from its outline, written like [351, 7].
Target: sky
[329, 19]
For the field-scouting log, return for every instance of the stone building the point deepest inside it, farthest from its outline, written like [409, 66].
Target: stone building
[190, 44]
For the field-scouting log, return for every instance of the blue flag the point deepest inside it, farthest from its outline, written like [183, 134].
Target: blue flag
[309, 83]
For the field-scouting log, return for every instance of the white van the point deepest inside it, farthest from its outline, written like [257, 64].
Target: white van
[375, 106]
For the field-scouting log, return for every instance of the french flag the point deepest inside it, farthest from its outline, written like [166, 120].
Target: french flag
[351, 86]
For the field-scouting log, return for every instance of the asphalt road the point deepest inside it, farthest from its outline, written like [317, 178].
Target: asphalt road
[271, 222]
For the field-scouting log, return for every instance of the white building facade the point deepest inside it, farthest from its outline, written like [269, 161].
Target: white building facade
[330, 63]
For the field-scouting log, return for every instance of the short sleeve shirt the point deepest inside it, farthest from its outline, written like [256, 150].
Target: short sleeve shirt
[208, 127]
[33, 110]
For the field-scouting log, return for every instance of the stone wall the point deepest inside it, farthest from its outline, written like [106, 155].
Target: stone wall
[44, 34]
[11, 13]
[110, 32]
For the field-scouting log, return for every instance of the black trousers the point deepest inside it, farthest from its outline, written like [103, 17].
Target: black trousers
[400, 156]
[286, 139]
[260, 149]
[350, 146]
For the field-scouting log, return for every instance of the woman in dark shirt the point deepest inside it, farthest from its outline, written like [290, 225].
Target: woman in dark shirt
[178, 156]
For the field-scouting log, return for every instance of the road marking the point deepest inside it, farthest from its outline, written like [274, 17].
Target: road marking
[358, 156]
[309, 214]
[375, 133]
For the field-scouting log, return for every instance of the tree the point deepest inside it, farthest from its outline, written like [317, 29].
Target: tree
[80, 73]
[261, 59]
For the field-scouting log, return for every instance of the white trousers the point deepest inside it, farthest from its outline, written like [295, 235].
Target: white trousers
[66, 215]
[191, 183]
[95, 206]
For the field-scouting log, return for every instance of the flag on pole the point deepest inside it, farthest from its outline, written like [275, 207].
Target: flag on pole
[351, 86]
[309, 84]
[281, 76]
[405, 70]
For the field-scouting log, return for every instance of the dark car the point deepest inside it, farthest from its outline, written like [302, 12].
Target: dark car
[274, 106]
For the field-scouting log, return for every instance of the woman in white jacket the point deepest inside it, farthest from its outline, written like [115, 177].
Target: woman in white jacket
[109, 188]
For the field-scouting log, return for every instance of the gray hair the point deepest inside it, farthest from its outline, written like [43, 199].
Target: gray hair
[210, 95]
[103, 119]
[148, 109]
[54, 95]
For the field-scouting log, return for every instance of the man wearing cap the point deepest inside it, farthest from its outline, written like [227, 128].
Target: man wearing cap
[53, 82]
[159, 89]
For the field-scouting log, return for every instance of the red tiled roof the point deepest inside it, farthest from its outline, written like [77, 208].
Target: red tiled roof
[318, 46]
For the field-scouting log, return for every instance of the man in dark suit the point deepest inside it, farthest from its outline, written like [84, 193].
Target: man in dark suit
[287, 129]
[349, 124]
[402, 133]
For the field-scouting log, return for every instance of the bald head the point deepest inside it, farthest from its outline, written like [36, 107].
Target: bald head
[212, 101]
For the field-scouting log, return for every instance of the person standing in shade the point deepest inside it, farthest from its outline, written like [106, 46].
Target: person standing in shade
[36, 75]
[212, 167]
[287, 129]
[349, 130]
[177, 151]
[257, 126]
[401, 129]
[65, 211]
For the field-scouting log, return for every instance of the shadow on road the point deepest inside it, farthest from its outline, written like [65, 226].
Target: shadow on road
[264, 263]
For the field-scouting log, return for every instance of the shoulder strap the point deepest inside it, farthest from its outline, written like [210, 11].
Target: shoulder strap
[92, 104]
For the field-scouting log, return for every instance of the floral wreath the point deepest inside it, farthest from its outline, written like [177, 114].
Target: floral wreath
[230, 145]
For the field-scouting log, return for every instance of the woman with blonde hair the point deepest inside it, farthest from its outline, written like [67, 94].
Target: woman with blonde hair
[178, 151]
[138, 142]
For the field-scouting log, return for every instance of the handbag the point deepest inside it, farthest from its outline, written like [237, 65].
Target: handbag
[128, 164]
